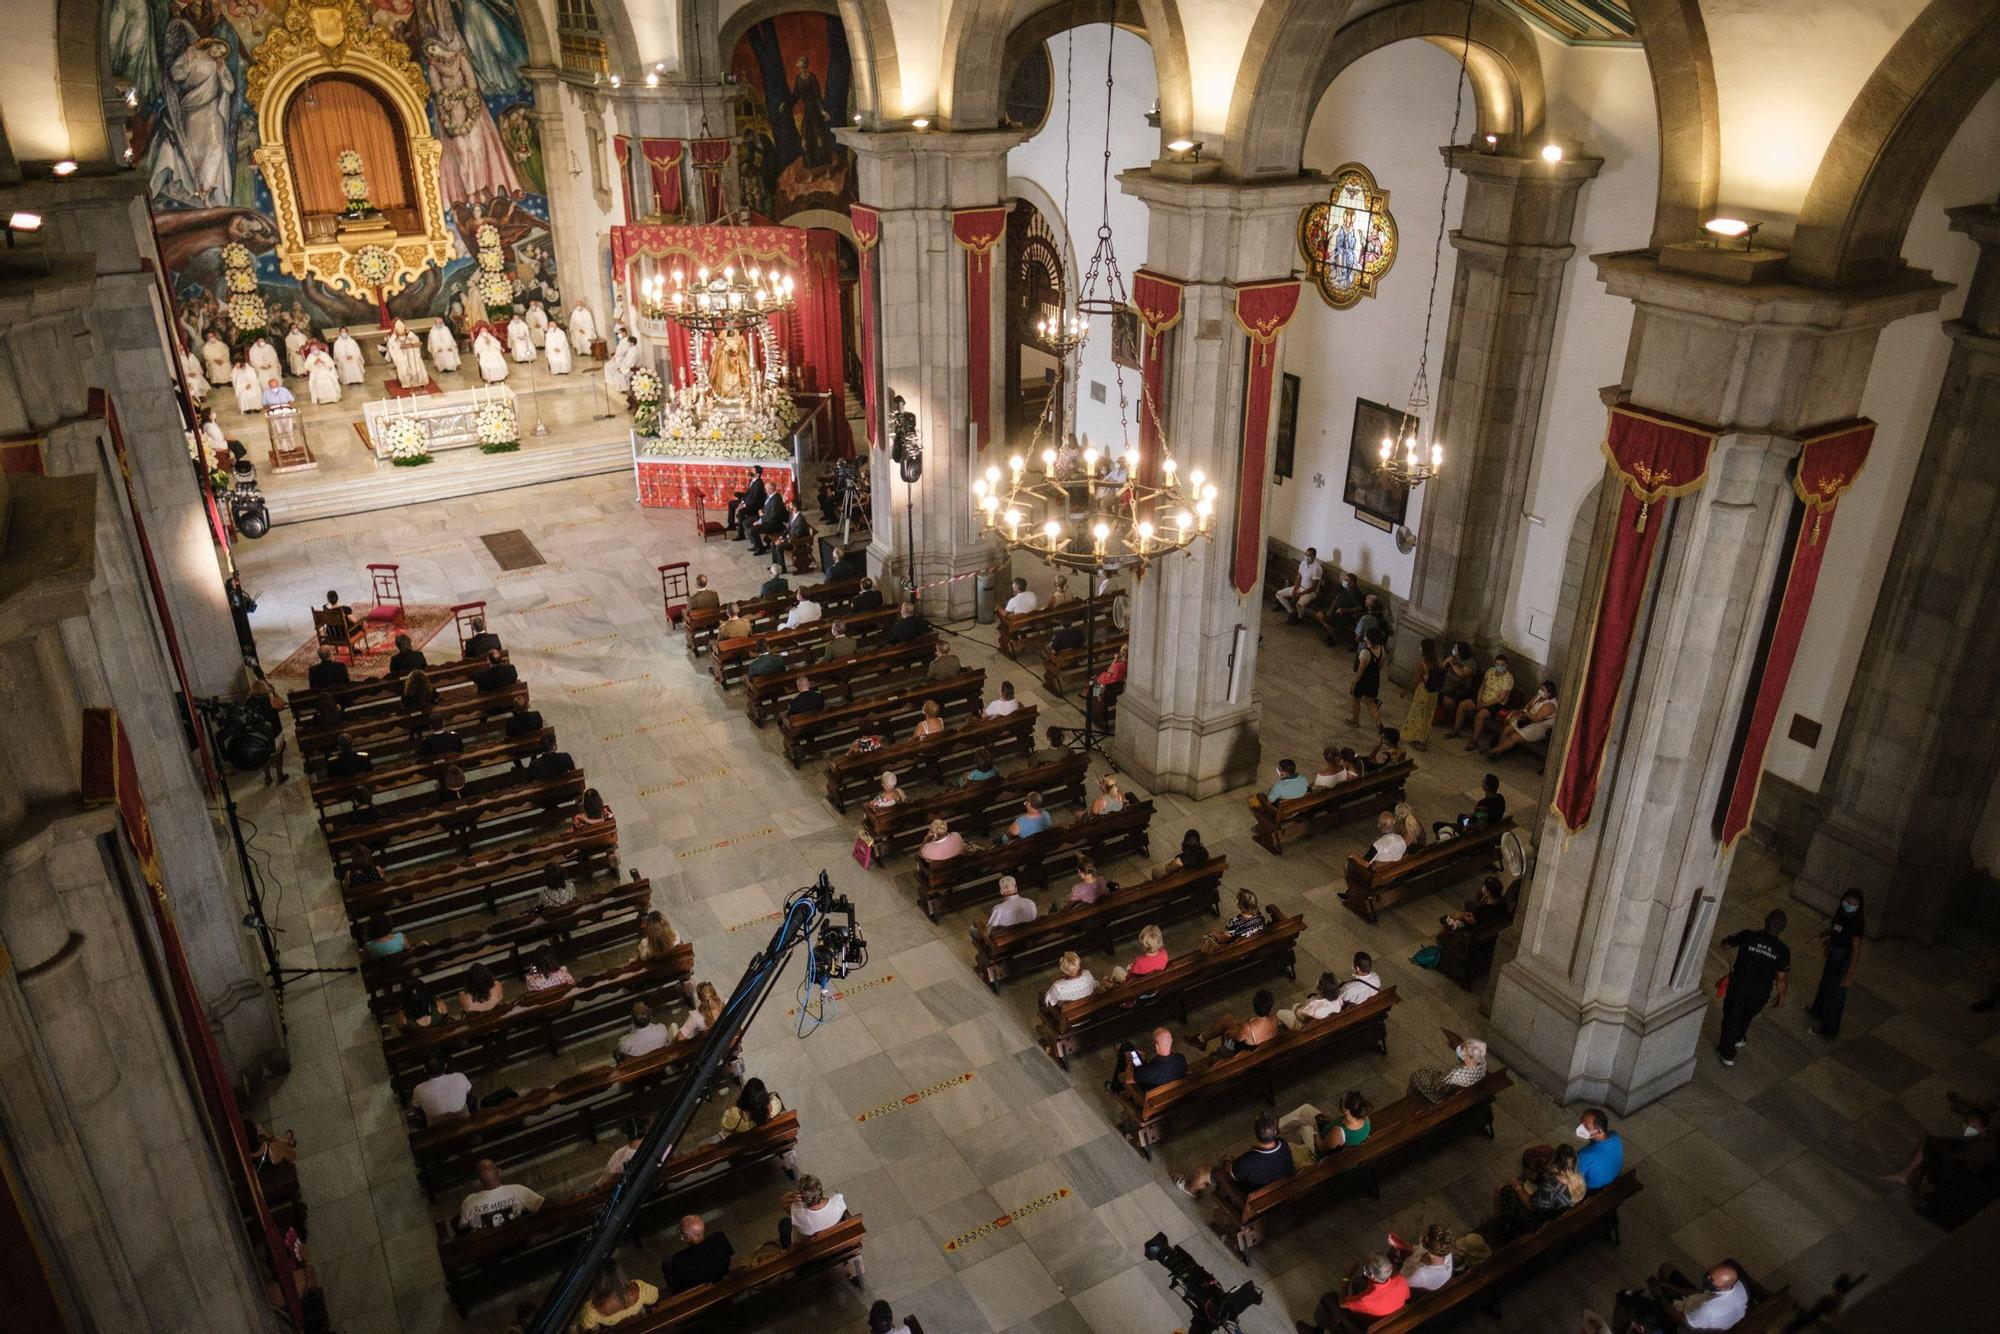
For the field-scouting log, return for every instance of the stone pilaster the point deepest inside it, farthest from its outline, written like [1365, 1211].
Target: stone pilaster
[1913, 761]
[576, 224]
[1604, 1000]
[1513, 244]
[1187, 721]
[916, 180]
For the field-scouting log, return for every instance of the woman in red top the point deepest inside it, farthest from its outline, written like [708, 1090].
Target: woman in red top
[1152, 955]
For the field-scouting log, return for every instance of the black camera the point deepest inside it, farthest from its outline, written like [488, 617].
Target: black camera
[840, 947]
[247, 507]
[1213, 1307]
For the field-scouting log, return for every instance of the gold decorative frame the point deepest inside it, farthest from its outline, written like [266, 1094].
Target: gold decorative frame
[1315, 219]
[324, 36]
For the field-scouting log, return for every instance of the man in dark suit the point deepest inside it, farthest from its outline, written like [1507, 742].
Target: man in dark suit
[775, 586]
[807, 700]
[498, 675]
[439, 739]
[703, 596]
[868, 599]
[797, 529]
[766, 663]
[523, 722]
[1070, 636]
[746, 504]
[551, 763]
[847, 564]
[1163, 1067]
[771, 521]
[407, 658]
[347, 762]
[908, 625]
[483, 642]
[326, 673]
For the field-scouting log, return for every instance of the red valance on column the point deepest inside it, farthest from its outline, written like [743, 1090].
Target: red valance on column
[1654, 457]
[710, 157]
[867, 233]
[1262, 312]
[1828, 463]
[621, 144]
[663, 163]
[1157, 298]
[979, 230]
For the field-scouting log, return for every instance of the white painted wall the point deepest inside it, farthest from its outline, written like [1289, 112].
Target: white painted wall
[1389, 111]
[1901, 394]
[1040, 159]
[29, 107]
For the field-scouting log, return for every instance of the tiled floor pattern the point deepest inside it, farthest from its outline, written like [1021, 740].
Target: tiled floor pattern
[1775, 1161]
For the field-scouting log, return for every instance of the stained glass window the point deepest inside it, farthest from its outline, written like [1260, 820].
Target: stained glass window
[1349, 241]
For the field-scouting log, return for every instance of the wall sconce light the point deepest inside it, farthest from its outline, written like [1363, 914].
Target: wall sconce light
[921, 123]
[22, 221]
[1187, 150]
[652, 78]
[616, 81]
[1552, 153]
[1492, 142]
[1731, 229]
[64, 167]
[1153, 114]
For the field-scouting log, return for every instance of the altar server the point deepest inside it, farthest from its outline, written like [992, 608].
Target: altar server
[295, 350]
[347, 356]
[215, 356]
[519, 341]
[538, 323]
[264, 360]
[406, 350]
[557, 347]
[197, 382]
[492, 361]
[322, 376]
[249, 392]
[582, 329]
[444, 348]
[212, 436]
[618, 370]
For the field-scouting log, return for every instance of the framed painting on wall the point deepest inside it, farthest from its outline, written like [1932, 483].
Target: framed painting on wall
[1378, 500]
[1284, 444]
[1125, 338]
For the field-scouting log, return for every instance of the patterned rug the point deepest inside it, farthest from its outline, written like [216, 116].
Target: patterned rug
[396, 389]
[420, 623]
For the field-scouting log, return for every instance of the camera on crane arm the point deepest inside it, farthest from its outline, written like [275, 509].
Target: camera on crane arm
[1214, 1308]
[839, 947]
[905, 445]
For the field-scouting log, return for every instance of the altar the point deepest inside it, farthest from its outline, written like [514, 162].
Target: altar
[666, 481]
[450, 421]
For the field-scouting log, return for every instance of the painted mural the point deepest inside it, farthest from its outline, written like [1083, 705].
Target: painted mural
[795, 87]
[193, 132]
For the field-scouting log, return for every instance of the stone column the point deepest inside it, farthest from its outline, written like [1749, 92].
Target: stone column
[1187, 721]
[1913, 761]
[916, 180]
[575, 221]
[1513, 254]
[1604, 1000]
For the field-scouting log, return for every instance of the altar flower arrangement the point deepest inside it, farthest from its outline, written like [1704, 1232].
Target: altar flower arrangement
[684, 432]
[495, 288]
[409, 443]
[247, 316]
[354, 185]
[499, 427]
[240, 280]
[247, 313]
[375, 265]
[645, 386]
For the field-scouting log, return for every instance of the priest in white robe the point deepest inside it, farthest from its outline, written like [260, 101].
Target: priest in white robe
[215, 357]
[582, 329]
[212, 436]
[322, 376]
[618, 370]
[295, 350]
[519, 341]
[492, 361]
[249, 390]
[347, 357]
[406, 353]
[444, 348]
[557, 346]
[538, 323]
[197, 382]
[264, 361]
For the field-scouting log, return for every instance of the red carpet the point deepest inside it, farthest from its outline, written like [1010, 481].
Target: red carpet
[396, 389]
[420, 623]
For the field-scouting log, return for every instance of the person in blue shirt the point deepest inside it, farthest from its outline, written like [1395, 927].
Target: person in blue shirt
[984, 767]
[1602, 1156]
[1291, 783]
[1032, 819]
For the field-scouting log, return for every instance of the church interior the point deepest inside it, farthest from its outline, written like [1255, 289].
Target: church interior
[646, 656]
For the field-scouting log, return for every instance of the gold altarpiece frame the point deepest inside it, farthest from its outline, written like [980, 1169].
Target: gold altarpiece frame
[318, 37]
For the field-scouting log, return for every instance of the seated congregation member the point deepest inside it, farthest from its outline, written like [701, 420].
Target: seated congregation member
[798, 529]
[985, 768]
[631, 1134]
[1023, 600]
[1435, 1085]
[1013, 908]
[807, 699]
[908, 626]
[1340, 766]
[707, 1010]
[809, 1211]
[545, 974]
[1298, 594]
[1492, 692]
[944, 665]
[804, 612]
[868, 599]
[419, 1009]
[1961, 1161]
[362, 813]
[1031, 821]
[347, 762]
[443, 1094]
[770, 527]
[1266, 1161]
[1548, 1184]
[1720, 1302]
[1164, 1066]
[941, 843]
[1338, 617]
[1374, 1289]
[495, 1203]
[1110, 797]
[1321, 1001]
[1003, 704]
[841, 644]
[890, 795]
[657, 937]
[931, 724]
[753, 1107]
[735, 625]
[1408, 827]
[1430, 1263]
[499, 674]
[482, 992]
[1389, 846]
[556, 892]
[482, 642]
[847, 564]
[1241, 1034]
[407, 657]
[1601, 1155]
[524, 722]
[774, 587]
[704, 1257]
[592, 812]
[1351, 1125]
[1068, 637]
[1248, 920]
[1152, 956]
[1489, 810]
[1075, 983]
[1489, 908]
[767, 662]
[418, 692]
[882, 1320]
[326, 673]
[1530, 723]
[703, 598]
[1192, 853]
[451, 787]
[1090, 886]
[1388, 750]
[383, 939]
[362, 871]
[745, 504]
[648, 1035]
[437, 739]
[549, 763]
[615, 1299]
[1290, 783]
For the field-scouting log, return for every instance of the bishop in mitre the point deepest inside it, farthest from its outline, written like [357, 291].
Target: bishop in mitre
[520, 343]
[347, 356]
[406, 351]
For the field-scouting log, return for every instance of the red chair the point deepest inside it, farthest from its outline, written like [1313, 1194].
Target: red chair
[705, 527]
[463, 615]
[674, 584]
[387, 581]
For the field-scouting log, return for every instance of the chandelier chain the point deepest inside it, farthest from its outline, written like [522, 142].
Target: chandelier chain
[1420, 389]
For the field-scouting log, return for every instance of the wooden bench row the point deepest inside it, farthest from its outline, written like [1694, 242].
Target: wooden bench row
[395, 732]
[889, 714]
[976, 808]
[799, 647]
[1294, 818]
[382, 690]
[870, 672]
[1030, 629]
[699, 624]
[459, 827]
[1372, 886]
[483, 881]
[932, 759]
[1066, 669]
[838, 1248]
[1002, 952]
[949, 885]
[480, 757]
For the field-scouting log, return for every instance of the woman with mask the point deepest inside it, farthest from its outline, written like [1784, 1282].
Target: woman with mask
[1842, 943]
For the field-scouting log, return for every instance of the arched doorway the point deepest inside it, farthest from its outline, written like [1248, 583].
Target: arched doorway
[1034, 292]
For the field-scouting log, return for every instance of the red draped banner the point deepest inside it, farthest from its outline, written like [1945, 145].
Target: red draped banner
[1654, 458]
[1827, 465]
[1157, 298]
[1262, 312]
[622, 145]
[979, 230]
[663, 162]
[710, 157]
[867, 233]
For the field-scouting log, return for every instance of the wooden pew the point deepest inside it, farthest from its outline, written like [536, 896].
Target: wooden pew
[1064, 669]
[1467, 953]
[728, 657]
[973, 876]
[1295, 818]
[838, 1247]
[700, 623]
[483, 881]
[477, 757]
[587, 925]
[412, 802]
[489, 1260]
[976, 808]
[872, 671]
[1142, 1113]
[1769, 1310]
[1597, 1216]
[458, 828]
[597, 1006]
[383, 690]
[1002, 953]
[1065, 1029]
[1371, 888]
[1030, 629]
[931, 759]
[890, 714]
[394, 731]
[1398, 1129]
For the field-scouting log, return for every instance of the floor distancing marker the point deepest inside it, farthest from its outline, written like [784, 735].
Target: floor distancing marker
[912, 1099]
[869, 985]
[729, 842]
[599, 685]
[1008, 1219]
[679, 783]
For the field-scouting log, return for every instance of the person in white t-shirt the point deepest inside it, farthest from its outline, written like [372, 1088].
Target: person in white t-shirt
[647, 1035]
[443, 1094]
[707, 1009]
[1429, 1264]
[1389, 845]
[1365, 985]
[495, 1203]
[1720, 1303]
[1004, 705]
[882, 1320]
[1321, 1001]
[1023, 600]
[614, 1166]
[809, 1211]
[1075, 982]
[1303, 589]
[1012, 910]
[804, 612]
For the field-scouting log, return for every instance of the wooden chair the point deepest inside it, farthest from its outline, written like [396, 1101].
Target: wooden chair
[334, 627]
[386, 585]
[799, 551]
[674, 590]
[463, 614]
[705, 527]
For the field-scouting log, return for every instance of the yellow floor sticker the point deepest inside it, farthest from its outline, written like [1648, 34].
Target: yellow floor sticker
[985, 1230]
[912, 1099]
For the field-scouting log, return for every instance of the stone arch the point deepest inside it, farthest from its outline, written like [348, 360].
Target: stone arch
[1855, 215]
[1684, 98]
[1292, 60]
[981, 49]
[723, 40]
[871, 44]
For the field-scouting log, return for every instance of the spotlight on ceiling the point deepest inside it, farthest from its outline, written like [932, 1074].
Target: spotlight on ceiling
[64, 167]
[1552, 152]
[1188, 150]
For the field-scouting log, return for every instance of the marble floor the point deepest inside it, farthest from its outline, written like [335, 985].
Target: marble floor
[1775, 1161]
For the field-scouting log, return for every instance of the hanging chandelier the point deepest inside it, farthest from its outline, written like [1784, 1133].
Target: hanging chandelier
[1412, 454]
[742, 301]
